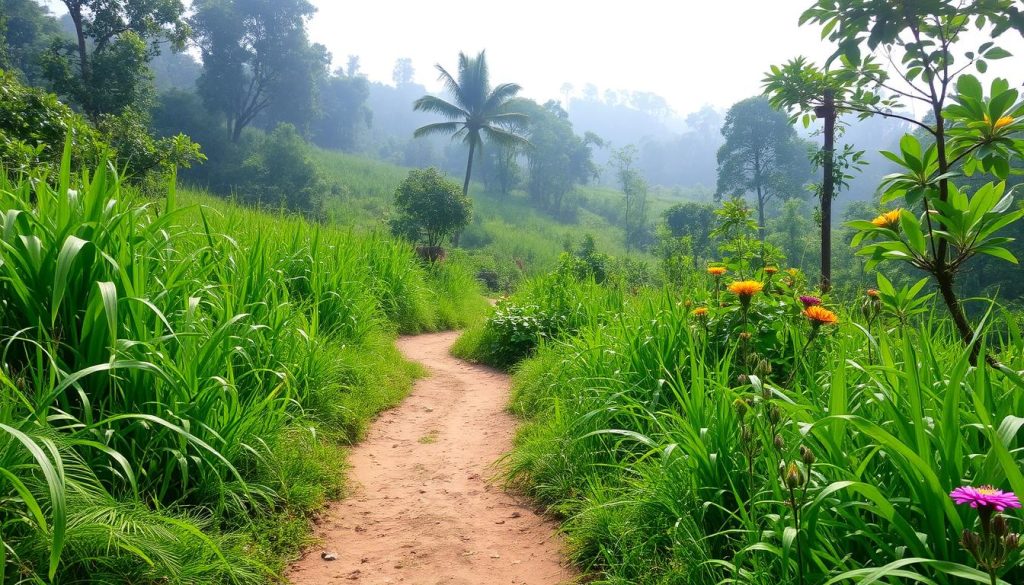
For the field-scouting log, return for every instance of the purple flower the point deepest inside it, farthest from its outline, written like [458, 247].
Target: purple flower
[985, 496]
[809, 301]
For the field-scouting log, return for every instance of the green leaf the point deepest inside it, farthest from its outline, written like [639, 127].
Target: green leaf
[997, 53]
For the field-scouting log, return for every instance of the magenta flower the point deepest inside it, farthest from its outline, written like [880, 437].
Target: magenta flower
[985, 496]
[809, 301]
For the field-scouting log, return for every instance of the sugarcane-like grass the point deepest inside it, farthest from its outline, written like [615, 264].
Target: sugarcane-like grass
[180, 376]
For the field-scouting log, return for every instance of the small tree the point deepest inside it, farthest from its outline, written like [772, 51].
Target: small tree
[430, 208]
[926, 48]
[634, 189]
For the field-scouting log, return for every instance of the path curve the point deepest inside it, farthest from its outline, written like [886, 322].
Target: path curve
[421, 507]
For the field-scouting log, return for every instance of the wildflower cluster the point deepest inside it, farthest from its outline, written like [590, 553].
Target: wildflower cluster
[990, 548]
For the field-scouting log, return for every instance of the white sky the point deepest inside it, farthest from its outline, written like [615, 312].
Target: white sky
[691, 52]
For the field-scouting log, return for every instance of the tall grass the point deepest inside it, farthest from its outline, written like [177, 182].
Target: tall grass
[178, 379]
[636, 437]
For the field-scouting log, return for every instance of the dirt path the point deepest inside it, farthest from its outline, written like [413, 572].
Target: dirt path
[422, 509]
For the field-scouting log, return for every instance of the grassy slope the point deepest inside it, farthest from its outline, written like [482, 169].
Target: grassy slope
[507, 232]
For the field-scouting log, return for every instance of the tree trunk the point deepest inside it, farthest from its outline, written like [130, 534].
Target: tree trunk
[469, 167]
[956, 310]
[761, 228]
[75, 11]
[828, 192]
[465, 187]
[236, 131]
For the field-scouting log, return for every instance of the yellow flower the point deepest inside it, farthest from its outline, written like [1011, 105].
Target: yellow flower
[1000, 123]
[820, 315]
[700, 312]
[716, 270]
[770, 270]
[745, 288]
[889, 219]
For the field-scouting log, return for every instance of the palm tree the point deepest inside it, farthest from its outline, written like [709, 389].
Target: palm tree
[477, 111]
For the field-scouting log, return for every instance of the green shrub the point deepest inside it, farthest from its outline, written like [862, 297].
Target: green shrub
[430, 208]
[278, 171]
[34, 126]
[659, 433]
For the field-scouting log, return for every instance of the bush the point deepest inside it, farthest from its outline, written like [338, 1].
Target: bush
[429, 208]
[279, 171]
[34, 126]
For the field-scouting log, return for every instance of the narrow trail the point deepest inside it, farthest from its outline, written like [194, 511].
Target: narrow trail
[422, 508]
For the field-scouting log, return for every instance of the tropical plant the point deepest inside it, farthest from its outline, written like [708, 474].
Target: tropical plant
[475, 112]
[967, 131]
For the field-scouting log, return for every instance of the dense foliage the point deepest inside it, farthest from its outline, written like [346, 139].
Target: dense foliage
[35, 126]
[658, 423]
[179, 378]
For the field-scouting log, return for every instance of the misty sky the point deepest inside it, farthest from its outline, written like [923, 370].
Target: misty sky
[691, 52]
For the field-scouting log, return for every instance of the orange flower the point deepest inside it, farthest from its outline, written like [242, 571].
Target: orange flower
[770, 270]
[873, 293]
[716, 270]
[745, 288]
[700, 312]
[820, 316]
[889, 219]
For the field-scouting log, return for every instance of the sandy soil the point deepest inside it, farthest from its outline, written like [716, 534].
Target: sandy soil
[423, 508]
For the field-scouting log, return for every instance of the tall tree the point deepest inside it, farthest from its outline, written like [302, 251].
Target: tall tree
[343, 111]
[104, 70]
[891, 54]
[26, 31]
[250, 48]
[403, 72]
[634, 189]
[761, 155]
[558, 158]
[476, 111]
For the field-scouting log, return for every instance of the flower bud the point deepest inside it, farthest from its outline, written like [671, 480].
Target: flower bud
[779, 443]
[782, 470]
[1011, 542]
[794, 478]
[745, 336]
[806, 455]
[743, 379]
[999, 526]
[741, 407]
[774, 415]
[763, 369]
[746, 434]
[766, 392]
[970, 541]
